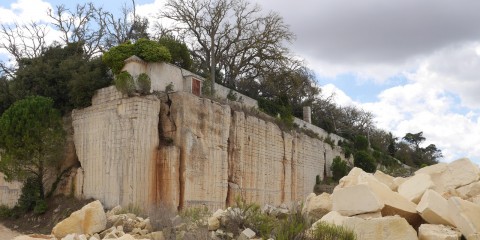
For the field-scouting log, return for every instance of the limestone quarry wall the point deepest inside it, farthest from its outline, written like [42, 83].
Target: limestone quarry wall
[184, 151]
[9, 191]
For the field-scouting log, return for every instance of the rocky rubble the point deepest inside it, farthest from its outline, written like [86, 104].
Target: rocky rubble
[92, 223]
[438, 202]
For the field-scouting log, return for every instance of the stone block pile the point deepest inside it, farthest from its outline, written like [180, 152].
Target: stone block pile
[93, 223]
[441, 201]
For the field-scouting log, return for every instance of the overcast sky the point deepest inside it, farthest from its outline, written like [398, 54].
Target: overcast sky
[414, 64]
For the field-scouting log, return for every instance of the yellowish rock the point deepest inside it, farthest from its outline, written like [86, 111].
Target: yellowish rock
[469, 191]
[318, 206]
[413, 188]
[88, 220]
[434, 209]
[437, 232]
[355, 200]
[465, 215]
[459, 173]
[385, 179]
[369, 215]
[213, 223]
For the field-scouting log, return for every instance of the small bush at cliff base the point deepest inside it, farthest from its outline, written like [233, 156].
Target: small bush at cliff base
[325, 231]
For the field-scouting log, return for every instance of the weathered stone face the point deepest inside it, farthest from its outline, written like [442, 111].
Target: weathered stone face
[184, 151]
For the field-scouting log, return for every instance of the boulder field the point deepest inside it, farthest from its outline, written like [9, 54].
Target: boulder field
[438, 202]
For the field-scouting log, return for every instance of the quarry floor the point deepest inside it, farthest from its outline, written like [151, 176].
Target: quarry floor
[7, 234]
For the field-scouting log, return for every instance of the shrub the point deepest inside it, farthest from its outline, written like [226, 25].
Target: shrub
[339, 168]
[151, 51]
[5, 212]
[124, 83]
[29, 196]
[131, 208]
[144, 83]
[328, 140]
[361, 143]
[365, 161]
[147, 50]
[40, 207]
[326, 231]
[116, 56]
[293, 227]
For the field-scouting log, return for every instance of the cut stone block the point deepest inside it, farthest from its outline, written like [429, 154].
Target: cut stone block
[459, 173]
[90, 219]
[465, 215]
[385, 179]
[333, 217]
[469, 191]
[369, 215]
[434, 209]
[398, 181]
[432, 169]
[355, 200]
[391, 228]
[395, 204]
[318, 206]
[413, 188]
[437, 232]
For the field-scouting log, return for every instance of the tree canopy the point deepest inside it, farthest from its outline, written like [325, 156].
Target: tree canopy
[31, 140]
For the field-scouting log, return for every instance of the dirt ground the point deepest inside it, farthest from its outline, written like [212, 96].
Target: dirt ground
[7, 234]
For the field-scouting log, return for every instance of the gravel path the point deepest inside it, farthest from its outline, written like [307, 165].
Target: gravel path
[7, 234]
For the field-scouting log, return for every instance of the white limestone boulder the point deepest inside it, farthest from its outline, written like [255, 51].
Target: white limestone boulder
[317, 206]
[465, 215]
[394, 203]
[353, 178]
[398, 181]
[413, 188]
[459, 173]
[90, 219]
[333, 217]
[213, 223]
[369, 215]
[385, 179]
[355, 200]
[434, 209]
[391, 228]
[247, 234]
[469, 191]
[433, 169]
[437, 232]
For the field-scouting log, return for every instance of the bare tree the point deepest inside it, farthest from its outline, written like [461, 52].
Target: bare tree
[129, 26]
[85, 26]
[22, 41]
[232, 36]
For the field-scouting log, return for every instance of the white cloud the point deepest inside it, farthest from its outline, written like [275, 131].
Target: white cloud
[25, 11]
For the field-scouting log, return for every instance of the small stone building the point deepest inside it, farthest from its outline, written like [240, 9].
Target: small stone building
[162, 74]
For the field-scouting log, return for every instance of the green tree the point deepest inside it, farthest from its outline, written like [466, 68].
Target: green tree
[63, 74]
[32, 139]
[6, 97]
[178, 50]
[414, 138]
[365, 161]
[361, 143]
[339, 168]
